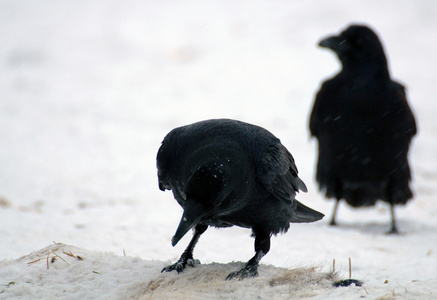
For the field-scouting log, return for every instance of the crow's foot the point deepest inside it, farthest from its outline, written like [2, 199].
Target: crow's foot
[180, 265]
[393, 230]
[246, 272]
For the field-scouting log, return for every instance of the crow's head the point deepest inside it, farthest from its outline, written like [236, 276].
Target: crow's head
[204, 193]
[357, 45]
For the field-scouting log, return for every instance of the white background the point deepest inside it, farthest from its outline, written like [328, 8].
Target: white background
[88, 90]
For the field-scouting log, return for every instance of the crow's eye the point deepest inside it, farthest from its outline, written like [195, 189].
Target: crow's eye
[359, 42]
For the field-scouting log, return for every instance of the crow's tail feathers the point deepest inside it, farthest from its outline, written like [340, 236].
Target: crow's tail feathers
[304, 214]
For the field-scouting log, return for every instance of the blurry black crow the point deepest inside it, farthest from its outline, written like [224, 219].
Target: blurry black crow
[224, 173]
[364, 126]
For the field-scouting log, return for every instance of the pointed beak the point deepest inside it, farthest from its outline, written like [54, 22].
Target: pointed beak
[190, 218]
[336, 44]
[331, 42]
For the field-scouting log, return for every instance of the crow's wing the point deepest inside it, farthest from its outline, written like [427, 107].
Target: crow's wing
[406, 122]
[327, 104]
[278, 172]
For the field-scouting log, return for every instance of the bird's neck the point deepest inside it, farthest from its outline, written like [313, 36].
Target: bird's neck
[372, 71]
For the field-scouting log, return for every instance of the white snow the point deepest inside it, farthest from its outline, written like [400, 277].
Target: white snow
[90, 88]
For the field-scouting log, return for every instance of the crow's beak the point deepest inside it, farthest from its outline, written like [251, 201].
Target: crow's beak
[331, 42]
[335, 43]
[191, 216]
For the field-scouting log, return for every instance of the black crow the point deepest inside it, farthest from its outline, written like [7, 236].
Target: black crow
[224, 173]
[363, 125]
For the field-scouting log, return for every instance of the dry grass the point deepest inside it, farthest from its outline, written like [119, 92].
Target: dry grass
[204, 281]
[50, 256]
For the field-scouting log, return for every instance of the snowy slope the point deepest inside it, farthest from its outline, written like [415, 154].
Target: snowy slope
[88, 91]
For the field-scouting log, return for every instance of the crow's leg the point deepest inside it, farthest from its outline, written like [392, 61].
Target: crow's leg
[262, 246]
[187, 256]
[334, 213]
[393, 227]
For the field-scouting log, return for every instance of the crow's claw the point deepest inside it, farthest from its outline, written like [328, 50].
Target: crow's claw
[180, 265]
[193, 262]
[393, 230]
[247, 272]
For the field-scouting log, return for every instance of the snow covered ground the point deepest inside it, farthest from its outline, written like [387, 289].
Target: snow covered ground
[90, 88]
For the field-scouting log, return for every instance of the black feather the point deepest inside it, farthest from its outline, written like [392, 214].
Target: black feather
[226, 172]
[363, 124]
